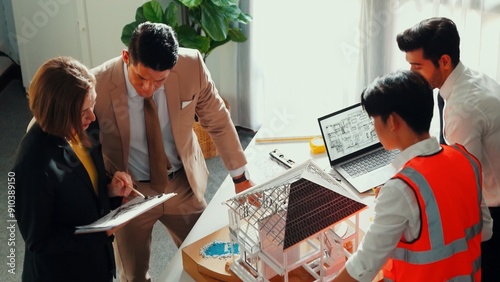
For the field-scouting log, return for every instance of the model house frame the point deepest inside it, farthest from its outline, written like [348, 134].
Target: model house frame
[300, 224]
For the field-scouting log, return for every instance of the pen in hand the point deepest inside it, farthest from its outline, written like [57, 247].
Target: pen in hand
[136, 191]
[131, 186]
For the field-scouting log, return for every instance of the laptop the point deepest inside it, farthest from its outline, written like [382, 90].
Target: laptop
[354, 150]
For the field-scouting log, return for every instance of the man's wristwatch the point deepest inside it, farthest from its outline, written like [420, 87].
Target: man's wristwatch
[240, 179]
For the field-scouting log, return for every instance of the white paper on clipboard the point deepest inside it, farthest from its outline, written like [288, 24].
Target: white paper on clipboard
[124, 213]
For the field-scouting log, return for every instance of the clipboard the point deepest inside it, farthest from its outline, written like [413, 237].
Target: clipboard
[124, 213]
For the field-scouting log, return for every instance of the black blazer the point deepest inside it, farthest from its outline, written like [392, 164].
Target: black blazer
[53, 195]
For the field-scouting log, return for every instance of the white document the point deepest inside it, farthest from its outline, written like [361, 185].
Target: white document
[124, 213]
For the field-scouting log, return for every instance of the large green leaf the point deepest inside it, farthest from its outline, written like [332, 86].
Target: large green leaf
[188, 38]
[223, 3]
[153, 11]
[194, 16]
[191, 3]
[245, 18]
[170, 16]
[186, 31]
[214, 22]
[236, 35]
[127, 32]
[139, 15]
[231, 12]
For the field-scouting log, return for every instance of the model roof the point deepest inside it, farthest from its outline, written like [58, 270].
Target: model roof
[295, 205]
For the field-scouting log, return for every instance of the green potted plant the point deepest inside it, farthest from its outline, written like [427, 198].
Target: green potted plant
[205, 24]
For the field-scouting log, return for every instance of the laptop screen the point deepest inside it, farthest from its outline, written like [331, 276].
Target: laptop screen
[348, 133]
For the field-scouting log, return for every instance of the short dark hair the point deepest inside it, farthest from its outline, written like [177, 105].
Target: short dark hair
[57, 94]
[404, 92]
[436, 36]
[154, 45]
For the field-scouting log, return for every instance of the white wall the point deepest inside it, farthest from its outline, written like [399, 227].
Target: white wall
[7, 30]
[222, 65]
[112, 16]
[87, 30]
[44, 30]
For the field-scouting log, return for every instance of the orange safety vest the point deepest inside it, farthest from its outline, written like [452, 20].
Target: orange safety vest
[448, 189]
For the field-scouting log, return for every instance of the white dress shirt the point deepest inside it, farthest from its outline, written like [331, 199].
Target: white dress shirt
[472, 119]
[397, 215]
[138, 160]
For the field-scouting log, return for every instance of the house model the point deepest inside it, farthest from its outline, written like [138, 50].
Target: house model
[300, 226]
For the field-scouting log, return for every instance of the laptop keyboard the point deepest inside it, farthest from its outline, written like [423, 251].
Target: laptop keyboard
[369, 162]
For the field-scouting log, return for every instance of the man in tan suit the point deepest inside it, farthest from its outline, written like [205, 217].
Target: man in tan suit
[180, 84]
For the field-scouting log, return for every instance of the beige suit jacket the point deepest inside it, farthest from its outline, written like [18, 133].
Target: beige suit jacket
[189, 90]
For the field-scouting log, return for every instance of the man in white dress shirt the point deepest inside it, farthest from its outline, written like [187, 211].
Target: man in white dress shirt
[471, 115]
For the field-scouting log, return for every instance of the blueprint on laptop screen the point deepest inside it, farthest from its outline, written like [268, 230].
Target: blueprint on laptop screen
[348, 131]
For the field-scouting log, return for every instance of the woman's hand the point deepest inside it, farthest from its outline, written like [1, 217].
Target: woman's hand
[120, 185]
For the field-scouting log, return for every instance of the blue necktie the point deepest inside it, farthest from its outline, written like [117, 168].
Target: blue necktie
[440, 101]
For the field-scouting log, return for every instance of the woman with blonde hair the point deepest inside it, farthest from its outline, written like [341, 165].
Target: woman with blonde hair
[61, 182]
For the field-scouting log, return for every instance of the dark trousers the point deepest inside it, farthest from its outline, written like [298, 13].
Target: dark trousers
[490, 251]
